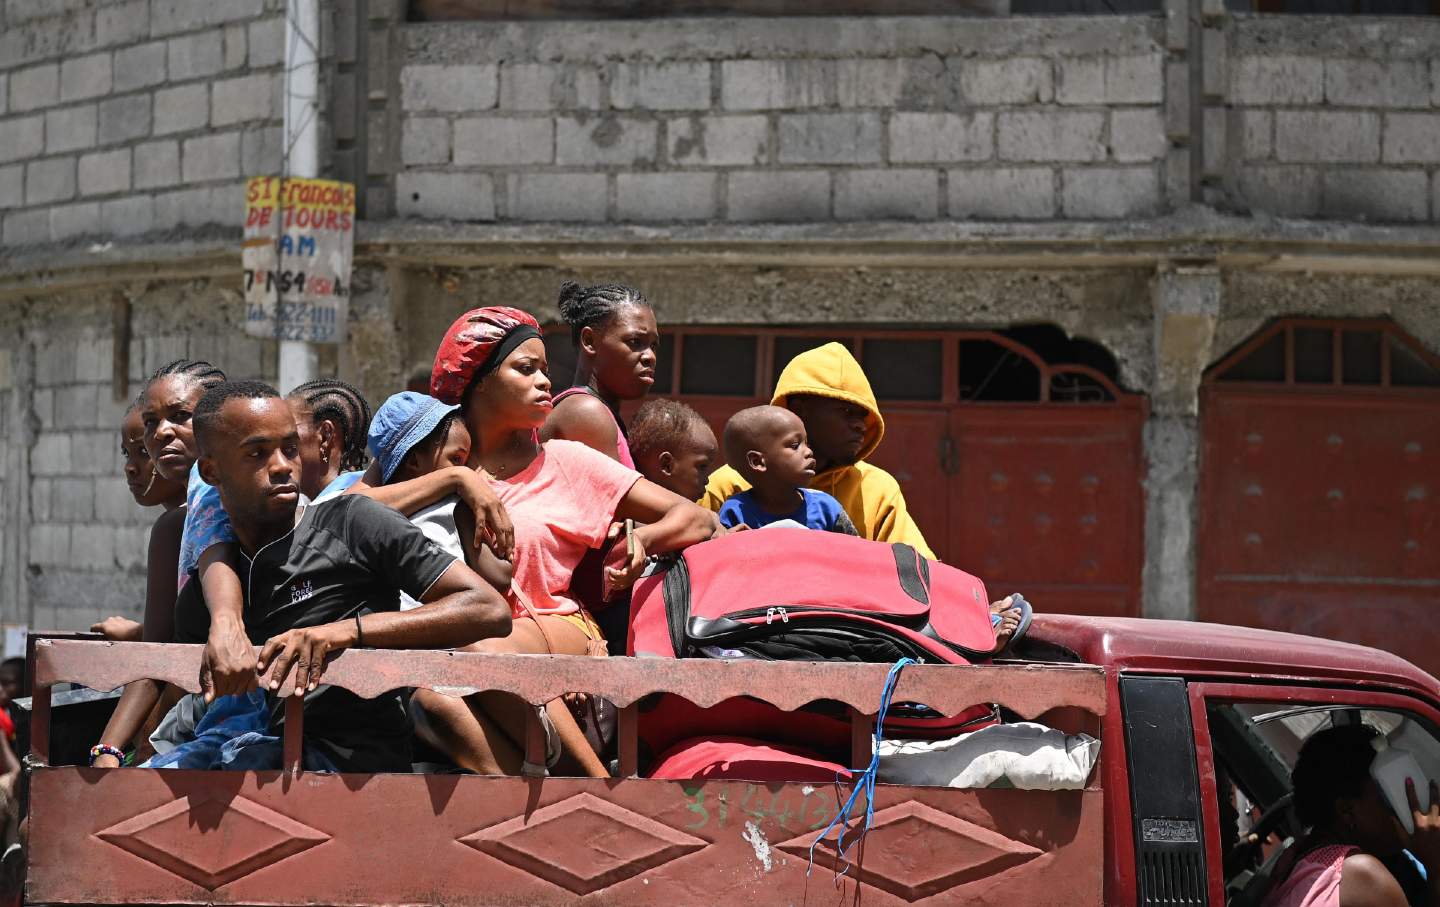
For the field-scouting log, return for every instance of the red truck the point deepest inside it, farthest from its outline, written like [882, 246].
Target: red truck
[1199, 726]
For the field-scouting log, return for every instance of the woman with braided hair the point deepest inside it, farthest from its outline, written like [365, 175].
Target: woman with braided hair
[616, 338]
[165, 407]
[333, 418]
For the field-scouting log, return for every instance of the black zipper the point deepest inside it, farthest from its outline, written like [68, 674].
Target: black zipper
[784, 613]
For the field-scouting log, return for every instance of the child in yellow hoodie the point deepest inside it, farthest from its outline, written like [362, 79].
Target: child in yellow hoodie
[827, 389]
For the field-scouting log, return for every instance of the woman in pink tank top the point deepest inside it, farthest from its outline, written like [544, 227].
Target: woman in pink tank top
[615, 336]
[1353, 834]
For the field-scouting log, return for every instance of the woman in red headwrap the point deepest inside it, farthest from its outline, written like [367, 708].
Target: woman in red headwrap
[561, 497]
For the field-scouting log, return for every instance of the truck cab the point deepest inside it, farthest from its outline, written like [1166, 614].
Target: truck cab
[1199, 726]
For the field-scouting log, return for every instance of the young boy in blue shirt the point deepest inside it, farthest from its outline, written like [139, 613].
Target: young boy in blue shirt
[767, 446]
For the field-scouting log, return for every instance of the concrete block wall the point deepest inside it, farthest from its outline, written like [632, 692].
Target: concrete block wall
[1329, 117]
[781, 120]
[75, 543]
[124, 117]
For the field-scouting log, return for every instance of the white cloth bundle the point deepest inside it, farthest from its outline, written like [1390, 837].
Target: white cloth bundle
[1023, 755]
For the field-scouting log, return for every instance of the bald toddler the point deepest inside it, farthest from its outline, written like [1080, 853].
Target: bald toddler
[767, 446]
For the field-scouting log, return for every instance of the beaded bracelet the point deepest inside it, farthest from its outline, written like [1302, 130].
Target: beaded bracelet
[105, 749]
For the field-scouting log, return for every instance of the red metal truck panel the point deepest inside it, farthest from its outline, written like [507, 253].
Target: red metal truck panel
[175, 837]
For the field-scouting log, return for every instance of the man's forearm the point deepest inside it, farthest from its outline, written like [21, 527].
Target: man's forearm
[457, 619]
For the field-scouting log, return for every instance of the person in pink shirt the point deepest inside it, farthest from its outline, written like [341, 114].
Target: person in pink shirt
[1353, 834]
[562, 497]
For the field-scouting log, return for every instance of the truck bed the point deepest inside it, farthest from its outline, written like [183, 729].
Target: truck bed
[290, 837]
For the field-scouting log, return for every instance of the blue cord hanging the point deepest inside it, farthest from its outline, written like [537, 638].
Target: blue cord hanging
[865, 782]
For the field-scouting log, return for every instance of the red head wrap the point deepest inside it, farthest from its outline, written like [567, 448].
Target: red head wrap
[472, 341]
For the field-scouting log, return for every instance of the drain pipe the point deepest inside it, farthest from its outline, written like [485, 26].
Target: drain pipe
[299, 361]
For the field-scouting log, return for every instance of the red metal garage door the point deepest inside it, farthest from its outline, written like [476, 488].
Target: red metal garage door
[1319, 462]
[1025, 471]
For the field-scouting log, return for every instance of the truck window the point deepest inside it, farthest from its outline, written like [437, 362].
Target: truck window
[1255, 746]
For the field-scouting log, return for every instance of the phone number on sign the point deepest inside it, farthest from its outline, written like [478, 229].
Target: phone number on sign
[294, 282]
[297, 321]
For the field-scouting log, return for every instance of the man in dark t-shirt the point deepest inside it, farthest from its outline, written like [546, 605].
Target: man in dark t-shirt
[319, 578]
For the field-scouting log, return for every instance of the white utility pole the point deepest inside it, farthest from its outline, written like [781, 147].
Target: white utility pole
[299, 361]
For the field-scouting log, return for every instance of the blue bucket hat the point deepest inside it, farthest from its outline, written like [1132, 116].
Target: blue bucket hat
[400, 423]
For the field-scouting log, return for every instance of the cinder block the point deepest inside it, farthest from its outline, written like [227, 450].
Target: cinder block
[1412, 138]
[26, 227]
[105, 172]
[1216, 143]
[49, 180]
[157, 164]
[12, 186]
[227, 204]
[1257, 134]
[1137, 135]
[917, 137]
[182, 109]
[4, 92]
[611, 140]
[1135, 79]
[172, 17]
[235, 46]
[660, 86]
[1372, 83]
[1281, 191]
[92, 547]
[50, 544]
[184, 207]
[35, 88]
[74, 220]
[665, 196]
[425, 140]
[211, 157]
[136, 215]
[1051, 136]
[70, 129]
[528, 86]
[451, 196]
[579, 88]
[1018, 80]
[262, 150]
[1277, 79]
[872, 82]
[1081, 80]
[1020, 193]
[140, 66]
[1383, 195]
[887, 194]
[720, 141]
[776, 84]
[265, 43]
[73, 499]
[1327, 136]
[778, 195]
[132, 543]
[830, 138]
[126, 118]
[449, 88]
[560, 197]
[1110, 192]
[122, 23]
[492, 141]
[1178, 185]
[86, 77]
[195, 56]
[1214, 63]
[241, 100]
[51, 454]
[40, 497]
[21, 137]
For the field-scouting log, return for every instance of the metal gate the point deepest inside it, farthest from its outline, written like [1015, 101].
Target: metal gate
[1317, 472]
[1024, 471]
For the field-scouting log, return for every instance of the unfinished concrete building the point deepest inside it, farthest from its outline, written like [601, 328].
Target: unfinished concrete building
[1150, 296]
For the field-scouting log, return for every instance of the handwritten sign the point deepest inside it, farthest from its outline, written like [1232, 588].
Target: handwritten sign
[299, 241]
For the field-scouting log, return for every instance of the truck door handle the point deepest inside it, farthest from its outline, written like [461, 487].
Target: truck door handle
[948, 463]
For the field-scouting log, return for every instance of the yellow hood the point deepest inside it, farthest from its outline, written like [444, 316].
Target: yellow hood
[830, 371]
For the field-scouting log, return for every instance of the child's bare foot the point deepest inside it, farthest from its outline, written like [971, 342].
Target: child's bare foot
[1009, 621]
